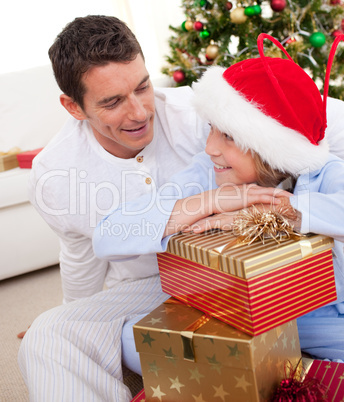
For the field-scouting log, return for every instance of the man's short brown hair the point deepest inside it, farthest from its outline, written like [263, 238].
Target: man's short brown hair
[95, 40]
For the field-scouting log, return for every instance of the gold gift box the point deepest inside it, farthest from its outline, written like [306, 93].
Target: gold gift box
[8, 162]
[252, 287]
[188, 356]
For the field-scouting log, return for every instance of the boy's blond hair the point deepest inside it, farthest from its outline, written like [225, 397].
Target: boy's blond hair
[266, 175]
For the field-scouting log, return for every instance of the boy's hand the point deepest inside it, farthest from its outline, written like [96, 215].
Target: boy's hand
[226, 200]
[224, 221]
[233, 198]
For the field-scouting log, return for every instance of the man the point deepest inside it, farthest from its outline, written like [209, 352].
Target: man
[80, 175]
[123, 140]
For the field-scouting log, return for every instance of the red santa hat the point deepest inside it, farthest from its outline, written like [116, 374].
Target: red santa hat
[270, 106]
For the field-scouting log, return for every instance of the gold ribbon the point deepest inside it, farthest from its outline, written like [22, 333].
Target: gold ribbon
[306, 248]
[188, 333]
[187, 337]
[215, 254]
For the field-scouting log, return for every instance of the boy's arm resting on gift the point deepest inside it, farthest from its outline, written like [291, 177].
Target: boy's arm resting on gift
[225, 220]
[148, 228]
[215, 209]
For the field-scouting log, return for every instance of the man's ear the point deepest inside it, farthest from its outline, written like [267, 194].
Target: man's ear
[72, 107]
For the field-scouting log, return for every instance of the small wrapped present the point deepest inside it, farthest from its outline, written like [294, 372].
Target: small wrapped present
[8, 160]
[140, 397]
[253, 287]
[329, 374]
[25, 158]
[186, 355]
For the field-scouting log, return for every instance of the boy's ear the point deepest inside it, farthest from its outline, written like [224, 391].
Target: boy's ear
[72, 107]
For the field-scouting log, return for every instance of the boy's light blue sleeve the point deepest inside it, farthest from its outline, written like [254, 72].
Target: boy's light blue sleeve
[320, 199]
[137, 227]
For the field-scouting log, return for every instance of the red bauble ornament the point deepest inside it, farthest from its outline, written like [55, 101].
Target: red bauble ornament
[291, 40]
[278, 5]
[198, 26]
[337, 32]
[179, 76]
[334, 2]
[229, 5]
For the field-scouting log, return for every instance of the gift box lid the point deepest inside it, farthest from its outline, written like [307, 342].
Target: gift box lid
[177, 331]
[224, 252]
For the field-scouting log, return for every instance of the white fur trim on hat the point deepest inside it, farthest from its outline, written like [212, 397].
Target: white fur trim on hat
[281, 147]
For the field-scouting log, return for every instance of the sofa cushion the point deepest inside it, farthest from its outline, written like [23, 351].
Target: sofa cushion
[30, 110]
[13, 185]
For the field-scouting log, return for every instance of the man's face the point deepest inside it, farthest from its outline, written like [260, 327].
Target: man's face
[119, 105]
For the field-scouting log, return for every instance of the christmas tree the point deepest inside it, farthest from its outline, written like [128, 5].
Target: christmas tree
[220, 32]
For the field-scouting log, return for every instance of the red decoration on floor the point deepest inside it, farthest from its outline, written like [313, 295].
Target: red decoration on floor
[330, 375]
[140, 397]
[293, 389]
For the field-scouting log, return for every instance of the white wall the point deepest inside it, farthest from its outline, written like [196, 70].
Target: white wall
[28, 28]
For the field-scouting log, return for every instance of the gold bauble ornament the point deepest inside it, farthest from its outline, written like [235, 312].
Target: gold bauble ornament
[212, 51]
[238, 16]
[188, 25]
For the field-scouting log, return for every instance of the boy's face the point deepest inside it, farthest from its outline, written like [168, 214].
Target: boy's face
[119, 105]
[231, 165]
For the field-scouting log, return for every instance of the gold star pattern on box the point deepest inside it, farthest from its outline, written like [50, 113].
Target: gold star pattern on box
[147, 338]
[220, 392]
[176, 384]
[157, 393]
[227, 365]
[214, 364]
[234, 351]
[196, 375]
[153, 368]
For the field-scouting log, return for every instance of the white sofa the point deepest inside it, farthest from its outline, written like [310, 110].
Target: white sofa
[30, 115]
